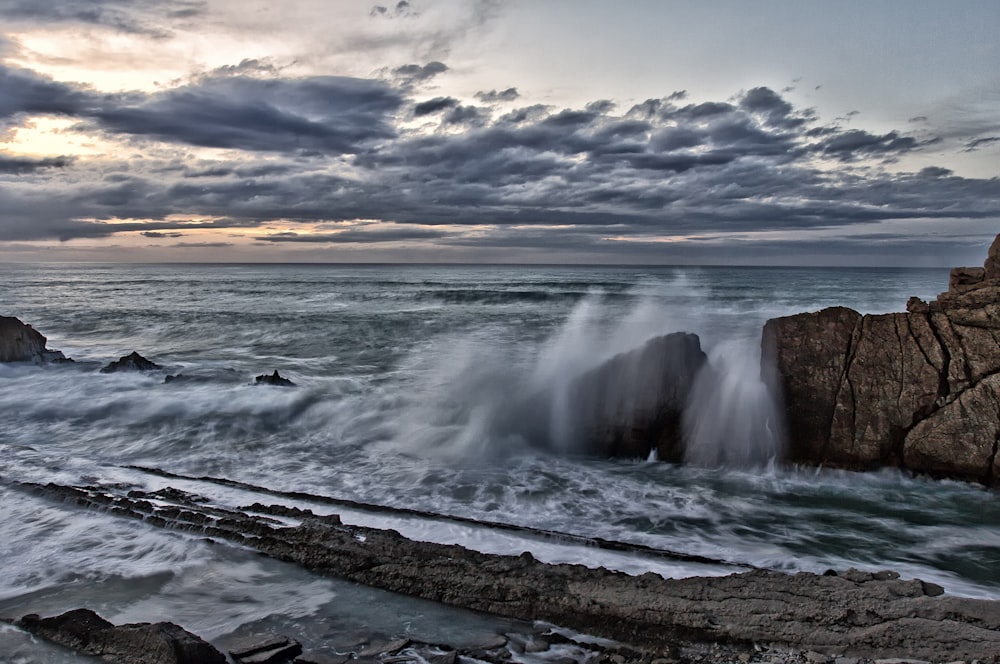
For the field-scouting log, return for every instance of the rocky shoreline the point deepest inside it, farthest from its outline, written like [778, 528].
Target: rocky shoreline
[850, 614]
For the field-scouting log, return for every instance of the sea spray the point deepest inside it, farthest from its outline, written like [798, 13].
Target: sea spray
[481, 399]
[732, 418]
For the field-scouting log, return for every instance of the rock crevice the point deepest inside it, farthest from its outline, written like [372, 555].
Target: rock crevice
[918, 390]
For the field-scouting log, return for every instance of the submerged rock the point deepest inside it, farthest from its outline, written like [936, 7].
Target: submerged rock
[632, 404]
[19, 342]
[273, 379]
[918, 390]
[140, 643]
[131, 362]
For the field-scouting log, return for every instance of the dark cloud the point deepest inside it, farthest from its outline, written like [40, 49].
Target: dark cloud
[434, 105]
[328, 149]
[330, 114]
[466, 115]
[418, 73]
[936, 172]
[857, 144]
[159, 234]
[25, 92]
[200, 245]
[357, 235]
[22, 165]
[147, 17]
[494, 96]
[977, 143]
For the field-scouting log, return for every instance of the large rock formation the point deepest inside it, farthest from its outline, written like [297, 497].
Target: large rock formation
[20, 342]
[918, 390]
[139, 643]
[632, 404]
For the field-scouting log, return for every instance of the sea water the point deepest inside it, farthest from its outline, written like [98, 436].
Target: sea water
[410, 390]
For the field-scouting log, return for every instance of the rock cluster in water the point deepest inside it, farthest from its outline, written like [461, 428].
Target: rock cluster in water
[918, 390]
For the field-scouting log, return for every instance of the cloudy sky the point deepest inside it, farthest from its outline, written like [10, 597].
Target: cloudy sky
[648, 131]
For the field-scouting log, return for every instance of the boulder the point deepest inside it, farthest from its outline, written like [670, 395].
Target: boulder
[141, 643]
[19, 342]
[131, 362]
[632, 404]
[915, 390]
[273, 379]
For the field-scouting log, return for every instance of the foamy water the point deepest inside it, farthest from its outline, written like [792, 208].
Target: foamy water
[444, 389]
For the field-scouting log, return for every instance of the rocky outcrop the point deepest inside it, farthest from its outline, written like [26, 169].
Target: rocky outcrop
[632, 404]
[918, 390]
[131, 362]
[853, 613]
[19, 342]
[140, 643]
[273, 379]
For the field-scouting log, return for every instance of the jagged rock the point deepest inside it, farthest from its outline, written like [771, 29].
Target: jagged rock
[140, 643]
[131, 362]
[273, 379]
[266, 649]
[632, 403]
[915, 390]
[19, 342]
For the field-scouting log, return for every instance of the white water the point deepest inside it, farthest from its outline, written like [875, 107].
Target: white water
[441, 389]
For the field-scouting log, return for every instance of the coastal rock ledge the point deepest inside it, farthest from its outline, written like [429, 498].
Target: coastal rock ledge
[918, 390]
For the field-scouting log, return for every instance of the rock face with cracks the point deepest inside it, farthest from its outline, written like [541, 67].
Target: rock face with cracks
[918, 390]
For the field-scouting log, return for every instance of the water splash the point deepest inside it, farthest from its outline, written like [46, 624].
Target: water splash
[482, 399]
[732, 418]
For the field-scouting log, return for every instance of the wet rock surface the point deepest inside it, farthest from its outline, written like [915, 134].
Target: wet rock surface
[632, 404]
[850, 614]
[918, 390]
[141, 643]
[131, 362]
[19, 342]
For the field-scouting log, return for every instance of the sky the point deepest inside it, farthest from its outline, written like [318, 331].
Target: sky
[774, 132]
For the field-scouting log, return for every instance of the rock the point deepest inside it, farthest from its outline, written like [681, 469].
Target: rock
[854, 613]
[273, 379]
[19, 342]
[632, 404]
[131, 362]
[141, 643]
[916, 390]
[265, 649]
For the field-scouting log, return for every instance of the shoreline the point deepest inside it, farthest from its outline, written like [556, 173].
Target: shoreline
[852, 613]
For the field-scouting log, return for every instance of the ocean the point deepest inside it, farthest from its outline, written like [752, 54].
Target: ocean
[406, 378]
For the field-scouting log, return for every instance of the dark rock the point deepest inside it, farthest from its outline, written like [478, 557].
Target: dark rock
[918, 390]
[273, 379]
[632, 404]
[131, 362]
[141, 643]
[19, 342]
[265, 649]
